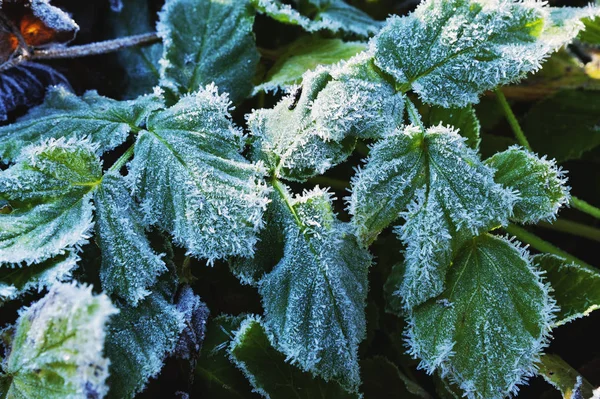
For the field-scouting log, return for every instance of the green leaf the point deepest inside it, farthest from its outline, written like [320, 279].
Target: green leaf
[463, 119]
[216, 375]
[591, 33]
[563, 377]
[140, 338]
[314, 298]
[488, 327]
[306, 54]
[56, 350]
[383, 380]
[63, 114]
[192, 181]
[576, 288]
[208, 41]
[129, 264]
[442, 41]
[576, 112]
[269, 372]
[540, 185]
[49, 190]
[140, 62]
[439, 186]
[17, 281]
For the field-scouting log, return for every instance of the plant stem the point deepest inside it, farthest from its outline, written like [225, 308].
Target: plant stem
[512, 120]
[96, 48]
[282, 191]
[585, 207]
[122, 160]
[542, 245]
[574, 228]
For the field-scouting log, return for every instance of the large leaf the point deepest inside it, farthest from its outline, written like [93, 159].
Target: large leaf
[269, 372]
[63, 114]
[140, 338]
[56, 349]
[487, 328]
[140, 63]
[193, 182]
[443, 191]
[576, 288]
[442, 41]
[208, 41]
[314, 298]
[49, 191]
[541, 186]
[129, 265]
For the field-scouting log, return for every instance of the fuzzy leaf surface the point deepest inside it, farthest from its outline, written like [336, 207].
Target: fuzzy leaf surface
[444, 41]
[192, 181]
[56, 350]
[487, 328]
[540, 184]
[269, 372]
[63, 114]
[440, 188]
[208, 41]
[314, 298]
[49, 190]
[575, 288]
[129, 264]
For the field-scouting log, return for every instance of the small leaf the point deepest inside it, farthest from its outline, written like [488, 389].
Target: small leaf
[49, 190]
[193, 183]
[541, 186]
[563, 377]
[208, 41]
[442, 41]
[576, 288]
[306, 54]
[314, 298]
[63, 114]
[17, 281]
[140, 338]
[129, 265]
[195, 315]
[269, 372]
[56, 350]
[463, 119]
[487, 329]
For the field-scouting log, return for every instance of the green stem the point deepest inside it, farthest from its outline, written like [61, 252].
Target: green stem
[574, 228]
[122, 160]
[512, 120]
[542, 245]
[282, 191]
[584, 207]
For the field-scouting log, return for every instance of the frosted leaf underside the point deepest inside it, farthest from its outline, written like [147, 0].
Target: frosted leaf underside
[193, 182]
[314, 298]
[488, 327]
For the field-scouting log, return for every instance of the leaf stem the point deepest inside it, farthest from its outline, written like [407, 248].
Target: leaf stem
[542, 245]
[584, 207]
[282, 191]
[574, 228]
[123, 159]
[512, 119]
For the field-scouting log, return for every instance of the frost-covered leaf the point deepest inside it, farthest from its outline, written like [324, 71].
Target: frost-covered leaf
[56, 350]
[140, 338]
[63, 114]
[306, 54]
[49, 191]
[576, 288]
[192, 181]
[208, 41]
[269, 372]
[25, 85]
[41, 23]
[17, 281]
[540, 185]
[451, 51]
[488, 327]
[563, 377]
[314, 298]
[195, 315]
[129, 265]
[216, 375]
[140, 63]
[464, 119]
